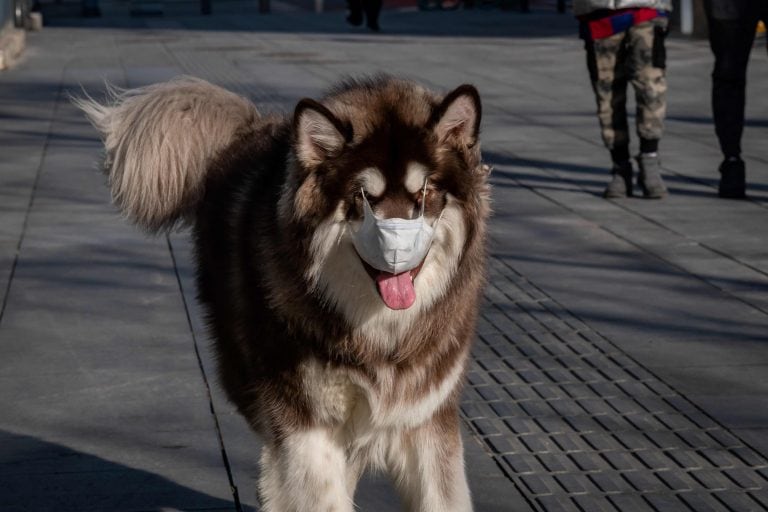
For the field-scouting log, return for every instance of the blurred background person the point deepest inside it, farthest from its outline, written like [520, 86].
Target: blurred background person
[732, 27]
[371, 9]
[624, 41]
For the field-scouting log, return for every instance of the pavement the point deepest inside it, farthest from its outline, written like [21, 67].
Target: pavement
[622, 354]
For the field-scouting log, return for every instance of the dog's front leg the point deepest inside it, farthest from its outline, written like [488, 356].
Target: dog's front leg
[305, 472]
[428, 467]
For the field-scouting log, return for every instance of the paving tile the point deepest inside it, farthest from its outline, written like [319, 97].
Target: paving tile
[678, 480]
[738, 501]
[630, 502]
[702, 502]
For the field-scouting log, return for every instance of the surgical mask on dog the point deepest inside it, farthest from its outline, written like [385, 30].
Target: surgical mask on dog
[393, 245]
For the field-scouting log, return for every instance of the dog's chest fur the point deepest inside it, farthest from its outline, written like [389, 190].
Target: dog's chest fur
[385, 397]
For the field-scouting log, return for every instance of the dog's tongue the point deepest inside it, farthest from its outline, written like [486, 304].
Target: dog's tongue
[396, 289]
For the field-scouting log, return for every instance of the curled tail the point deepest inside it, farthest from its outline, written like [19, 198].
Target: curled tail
[160, 141]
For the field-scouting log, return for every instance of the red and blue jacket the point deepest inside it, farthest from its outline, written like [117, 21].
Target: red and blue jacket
[606, 22]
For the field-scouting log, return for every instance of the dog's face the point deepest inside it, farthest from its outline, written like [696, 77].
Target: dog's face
[405, 150]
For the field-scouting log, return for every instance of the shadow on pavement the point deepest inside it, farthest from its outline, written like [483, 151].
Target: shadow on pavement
[593, 177]
[628, 311]
[37, 475]
[760, 123]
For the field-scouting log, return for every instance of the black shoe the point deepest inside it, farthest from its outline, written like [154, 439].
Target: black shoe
[355, 19]
[732, 179]
[621, 181]
[374, 26]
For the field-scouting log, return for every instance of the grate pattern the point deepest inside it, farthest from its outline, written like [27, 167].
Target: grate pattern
[579, 425]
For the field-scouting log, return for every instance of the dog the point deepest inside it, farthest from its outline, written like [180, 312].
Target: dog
[340, 260]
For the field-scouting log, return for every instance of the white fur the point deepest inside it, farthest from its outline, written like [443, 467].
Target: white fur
[425, 477]
[373, 181]
[388, 403]
[374, 427]
[331, 392]
[306, 472]
[415, 174]
[328, 236]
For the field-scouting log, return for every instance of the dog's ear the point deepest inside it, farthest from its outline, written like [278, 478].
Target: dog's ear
[318, 134]
[457, 119]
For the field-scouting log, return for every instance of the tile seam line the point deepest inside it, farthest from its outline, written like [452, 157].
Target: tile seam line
[196, 345]
[643, 249]
[633, 359]
[33, 192]
[212, 408]
[481, 440]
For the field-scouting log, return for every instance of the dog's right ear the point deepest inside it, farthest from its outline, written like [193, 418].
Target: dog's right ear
[457, 118]
[318, 134]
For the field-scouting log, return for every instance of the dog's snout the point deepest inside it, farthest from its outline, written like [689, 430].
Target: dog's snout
[397, 207]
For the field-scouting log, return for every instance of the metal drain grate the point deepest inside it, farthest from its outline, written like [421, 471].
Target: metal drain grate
[579, 425]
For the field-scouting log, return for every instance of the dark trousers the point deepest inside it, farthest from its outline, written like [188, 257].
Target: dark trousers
[372, 8]
[732, 26]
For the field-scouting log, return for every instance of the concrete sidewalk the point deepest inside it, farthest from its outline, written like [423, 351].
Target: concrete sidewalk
[622, 355]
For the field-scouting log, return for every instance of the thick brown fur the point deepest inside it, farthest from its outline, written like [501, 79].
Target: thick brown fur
[308, 353]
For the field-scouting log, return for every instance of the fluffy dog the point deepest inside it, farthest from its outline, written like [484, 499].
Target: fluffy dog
[338, 361]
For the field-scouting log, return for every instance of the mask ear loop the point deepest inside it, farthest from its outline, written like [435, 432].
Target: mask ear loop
[365, 199]
[423, 196]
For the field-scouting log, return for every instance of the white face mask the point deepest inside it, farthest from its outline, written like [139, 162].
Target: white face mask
[393, 245]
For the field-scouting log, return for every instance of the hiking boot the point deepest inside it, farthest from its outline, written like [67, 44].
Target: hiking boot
[649, 177]
[732, 179]
[621, 181]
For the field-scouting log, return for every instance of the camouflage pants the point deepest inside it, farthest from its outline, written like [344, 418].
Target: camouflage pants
[638, 56]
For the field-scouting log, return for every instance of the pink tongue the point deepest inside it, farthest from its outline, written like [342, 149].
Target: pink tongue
[396, 289]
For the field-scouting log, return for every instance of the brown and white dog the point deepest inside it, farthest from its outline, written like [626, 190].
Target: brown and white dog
[335, 374]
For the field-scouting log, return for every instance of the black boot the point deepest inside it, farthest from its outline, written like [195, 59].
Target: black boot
[732, 179]
[621, 181]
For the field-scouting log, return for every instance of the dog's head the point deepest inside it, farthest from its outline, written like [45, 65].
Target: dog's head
[406, 150]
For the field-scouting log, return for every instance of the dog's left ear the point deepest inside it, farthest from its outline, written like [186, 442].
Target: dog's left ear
[319, 134]
[457, 118]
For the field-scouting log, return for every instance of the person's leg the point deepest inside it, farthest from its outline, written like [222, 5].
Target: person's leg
[647, 58]
[606, 62]
[731, 34]
[372, 10]
[731, 42]
[355, 12]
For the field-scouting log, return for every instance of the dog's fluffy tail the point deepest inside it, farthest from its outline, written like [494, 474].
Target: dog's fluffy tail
[160, 141]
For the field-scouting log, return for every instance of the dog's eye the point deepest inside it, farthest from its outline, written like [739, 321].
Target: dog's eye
[358, 199]
[368, 196]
